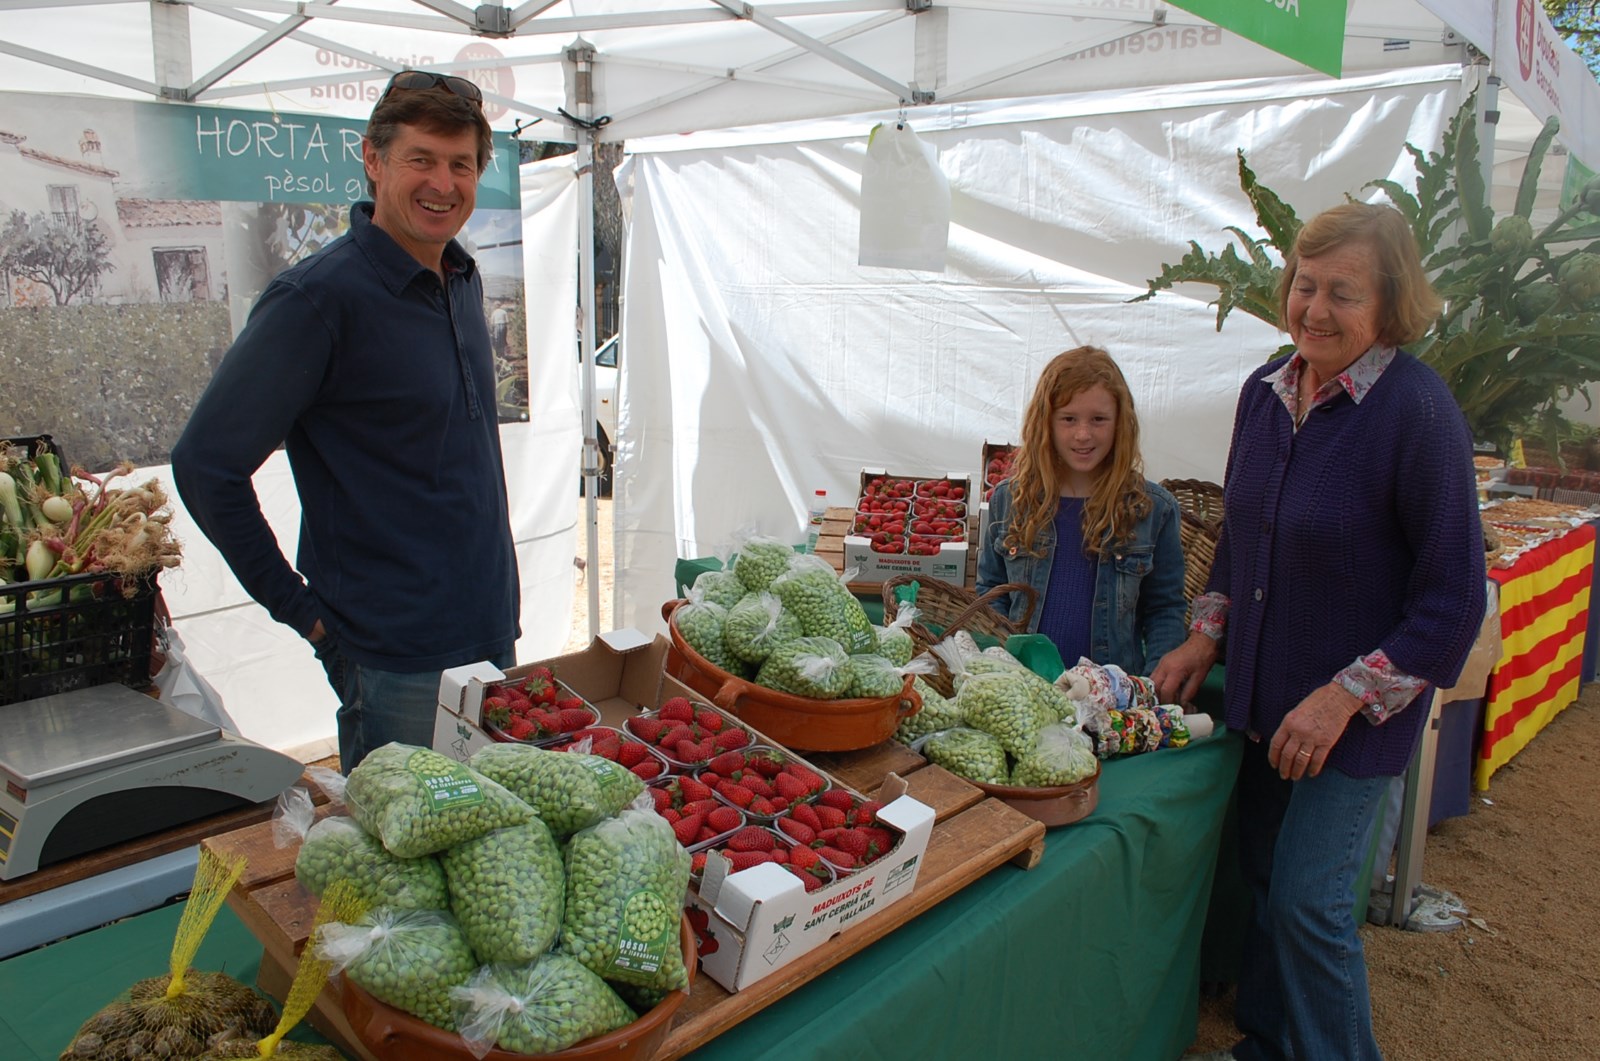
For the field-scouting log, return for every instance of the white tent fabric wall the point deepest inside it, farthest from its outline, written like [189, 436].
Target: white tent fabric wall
[266, 675]
[777, 365]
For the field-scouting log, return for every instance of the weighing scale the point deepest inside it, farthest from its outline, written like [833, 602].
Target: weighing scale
[97, 766]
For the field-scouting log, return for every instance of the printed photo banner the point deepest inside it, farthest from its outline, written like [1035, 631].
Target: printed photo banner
[1544, 608]
[259, 156]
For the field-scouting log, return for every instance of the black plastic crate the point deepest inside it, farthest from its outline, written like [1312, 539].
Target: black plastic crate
[76, 631]
[35, 445]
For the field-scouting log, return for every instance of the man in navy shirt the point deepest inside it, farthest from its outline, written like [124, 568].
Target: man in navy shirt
[370, 363]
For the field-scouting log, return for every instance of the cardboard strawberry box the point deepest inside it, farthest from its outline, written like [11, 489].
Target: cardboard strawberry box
[881, 544]
[760, 919]
[616, 674]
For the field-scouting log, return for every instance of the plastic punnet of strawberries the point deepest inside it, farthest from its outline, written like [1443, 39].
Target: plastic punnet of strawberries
[698, 818]
[689, 736]
[621, 748]
[761, 781]
[754, 845]
[840, 827]
[535, 707]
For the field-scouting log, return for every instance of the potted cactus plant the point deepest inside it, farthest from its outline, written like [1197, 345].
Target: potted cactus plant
[1520, 331]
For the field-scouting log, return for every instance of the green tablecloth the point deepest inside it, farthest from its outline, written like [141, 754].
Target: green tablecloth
[49, 992]
[1093, 954]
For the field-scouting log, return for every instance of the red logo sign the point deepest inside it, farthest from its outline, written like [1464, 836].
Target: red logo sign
[1526, 22]
[494, 80]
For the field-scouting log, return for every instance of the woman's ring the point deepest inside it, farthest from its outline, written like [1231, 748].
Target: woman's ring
[1303, 752]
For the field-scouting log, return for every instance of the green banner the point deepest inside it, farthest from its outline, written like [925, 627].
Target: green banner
[261, 157]
[1307, 31]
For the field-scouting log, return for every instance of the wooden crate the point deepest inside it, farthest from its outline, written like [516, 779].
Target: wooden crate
[836, 524]
[972, 835]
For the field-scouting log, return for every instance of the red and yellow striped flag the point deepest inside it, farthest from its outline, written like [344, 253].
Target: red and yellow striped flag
[1544, 615]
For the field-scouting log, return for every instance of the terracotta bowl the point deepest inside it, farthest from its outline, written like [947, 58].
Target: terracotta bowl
[395, 1035]
[799, 722]
[1055, 805]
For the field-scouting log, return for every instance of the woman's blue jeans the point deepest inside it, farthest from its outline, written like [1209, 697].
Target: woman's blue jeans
[1303, 980]
[379, 706]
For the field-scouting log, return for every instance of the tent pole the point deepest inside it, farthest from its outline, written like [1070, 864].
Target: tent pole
[583, 88]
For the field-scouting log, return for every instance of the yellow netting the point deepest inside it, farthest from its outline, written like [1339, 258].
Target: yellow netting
[341, 903]
[213, 879]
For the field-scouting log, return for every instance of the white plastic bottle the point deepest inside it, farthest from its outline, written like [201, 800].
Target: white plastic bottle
[819, 508]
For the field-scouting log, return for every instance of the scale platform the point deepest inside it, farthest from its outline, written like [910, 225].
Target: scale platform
[98, 766]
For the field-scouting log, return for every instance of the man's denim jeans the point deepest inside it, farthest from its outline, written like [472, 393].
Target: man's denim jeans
[379, 706]
[1303, 981]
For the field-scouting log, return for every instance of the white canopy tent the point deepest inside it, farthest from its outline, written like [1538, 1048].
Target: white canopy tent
[987, 80]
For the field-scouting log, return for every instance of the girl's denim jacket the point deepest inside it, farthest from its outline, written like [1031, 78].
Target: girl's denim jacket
[1139, 605]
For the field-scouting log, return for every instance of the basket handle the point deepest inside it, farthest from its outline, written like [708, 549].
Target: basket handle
[987, 600]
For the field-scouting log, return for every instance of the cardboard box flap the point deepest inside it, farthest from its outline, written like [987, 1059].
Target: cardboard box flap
[625, 640]
[461, 688]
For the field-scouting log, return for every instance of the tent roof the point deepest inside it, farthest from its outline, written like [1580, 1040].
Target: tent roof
[668, 66]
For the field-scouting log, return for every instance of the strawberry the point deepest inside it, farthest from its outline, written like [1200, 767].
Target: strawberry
[763, 806]
[546, 722]
[607, 748]
[735, 794]
[801, 855]
[521, 729]
[697, 864]
[689, 751]
[780, 802]
[678, 709]
[647, 729]
[573, 718]
[647, 769]
[727, 763]
[632, 753]
[798, 830]
[674, 735]
[842, 859]
[780, 855]
[867, 813]
[731, 738]
[805, 814]
[757, 784]
[789, 787]
[541, 689]
[810, 881]
[746, 859]
[877, 836]
[704, 806]
[687, 830]
[709, 720]
[812, 782]
[852, 842]
[767, 764]
[709, 778]
[751, 838]
[567, 703]
[663, 799]
[496, 712]
[837, 797]
[693, 790]
[672, 817]
[829, 817]
[724, 818]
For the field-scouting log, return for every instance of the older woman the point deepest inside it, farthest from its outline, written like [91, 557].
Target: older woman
[1348, 579]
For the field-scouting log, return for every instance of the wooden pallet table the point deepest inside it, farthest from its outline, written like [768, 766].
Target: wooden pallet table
[972, 835]
[836, 524]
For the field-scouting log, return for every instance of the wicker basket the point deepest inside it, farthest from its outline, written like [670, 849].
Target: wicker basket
[952, 608]
[1199, 527]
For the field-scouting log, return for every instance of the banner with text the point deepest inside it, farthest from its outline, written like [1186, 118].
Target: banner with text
[1307, 31]
[1536, 65]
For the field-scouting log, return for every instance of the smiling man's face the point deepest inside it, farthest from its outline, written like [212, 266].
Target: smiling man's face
[427, 185]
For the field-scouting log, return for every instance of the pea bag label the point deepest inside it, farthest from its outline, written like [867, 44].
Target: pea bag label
[645, 934]
[448, 784]
[606, 777]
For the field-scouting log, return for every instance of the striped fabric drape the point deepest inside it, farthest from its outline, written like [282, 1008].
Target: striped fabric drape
[1544, 608]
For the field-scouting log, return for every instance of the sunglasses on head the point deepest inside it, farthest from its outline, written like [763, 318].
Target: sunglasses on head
[422, 79]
